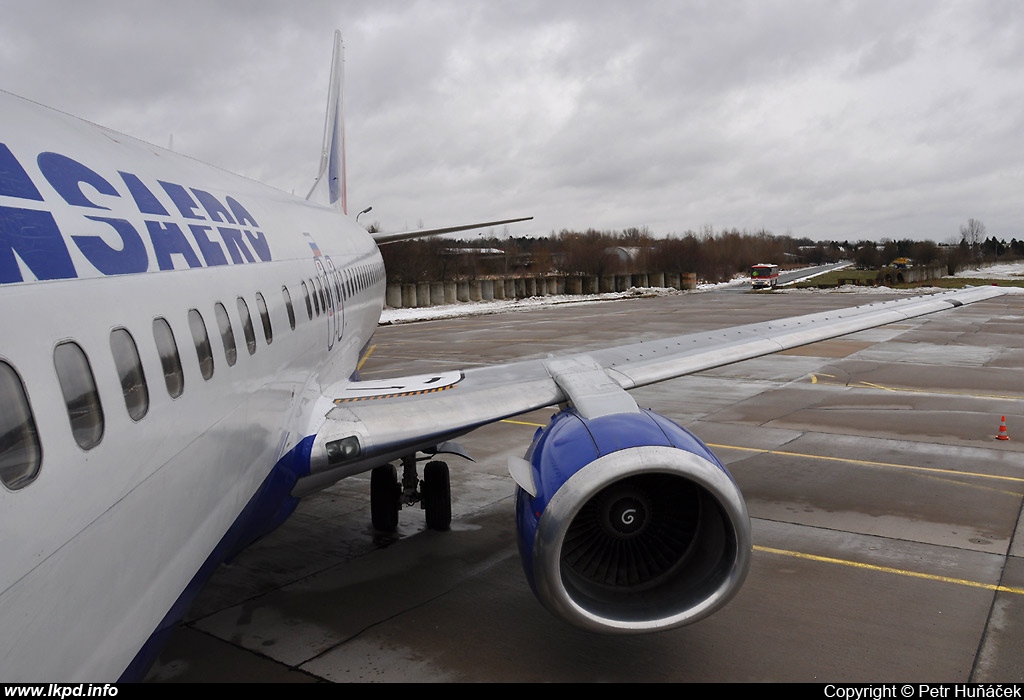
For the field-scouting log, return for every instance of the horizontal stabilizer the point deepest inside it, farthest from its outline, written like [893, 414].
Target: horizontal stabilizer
[381, 237]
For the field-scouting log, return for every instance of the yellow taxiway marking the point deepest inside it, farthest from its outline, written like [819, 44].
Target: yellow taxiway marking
[1000, 397]
[907, 390]
[366, 357]
[814, 377]
[890, 570]
[871, 463]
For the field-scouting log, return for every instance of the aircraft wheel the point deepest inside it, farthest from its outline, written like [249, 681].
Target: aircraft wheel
[437, 496]
[384, 493]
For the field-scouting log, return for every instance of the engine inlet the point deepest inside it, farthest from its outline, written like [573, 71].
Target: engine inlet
[633, 532]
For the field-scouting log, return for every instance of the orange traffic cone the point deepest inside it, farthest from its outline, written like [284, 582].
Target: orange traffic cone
[1002, 430]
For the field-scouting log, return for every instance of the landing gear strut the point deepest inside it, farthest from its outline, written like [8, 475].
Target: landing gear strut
[433, 493]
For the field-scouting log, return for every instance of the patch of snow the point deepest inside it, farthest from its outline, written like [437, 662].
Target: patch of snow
[500, 306]
[842, 266]
[854, 289]
[1003, 271]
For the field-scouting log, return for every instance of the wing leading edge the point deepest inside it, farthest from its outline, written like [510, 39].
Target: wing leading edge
[382, 420]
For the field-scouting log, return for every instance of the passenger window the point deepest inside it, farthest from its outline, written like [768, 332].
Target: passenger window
[328, 300]
[320, 295]
[20, 451]
[261, 304]
[288, 306]
[169, 358]
[79, 388]
[202, 342]
[227, 336]
[129, 370]
[316, 298]
[250, 336]
[309, 304]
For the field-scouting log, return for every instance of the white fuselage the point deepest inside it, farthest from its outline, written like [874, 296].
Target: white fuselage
[102, 541]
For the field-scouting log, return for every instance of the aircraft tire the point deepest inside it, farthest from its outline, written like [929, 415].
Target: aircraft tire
[437, 496]
[384, 492]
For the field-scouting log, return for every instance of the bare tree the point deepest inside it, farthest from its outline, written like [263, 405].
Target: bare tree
[591, 252]
[973, 233]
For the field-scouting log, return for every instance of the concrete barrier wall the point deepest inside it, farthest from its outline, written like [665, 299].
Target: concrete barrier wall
[426, 294]
[889, 276]
[393, 296]
[423, 294]
[409, 296]
[436, 293]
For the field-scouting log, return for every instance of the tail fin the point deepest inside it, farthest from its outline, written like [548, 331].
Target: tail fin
[329, 187]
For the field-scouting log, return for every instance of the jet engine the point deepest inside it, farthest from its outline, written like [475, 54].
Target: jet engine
[627, 523]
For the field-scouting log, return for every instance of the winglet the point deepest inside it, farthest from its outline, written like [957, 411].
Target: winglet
[329, 187]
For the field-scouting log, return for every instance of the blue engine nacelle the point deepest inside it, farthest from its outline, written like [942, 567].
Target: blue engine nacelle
[633, 524]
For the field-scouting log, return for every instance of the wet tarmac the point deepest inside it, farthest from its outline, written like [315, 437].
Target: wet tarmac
[886, 519]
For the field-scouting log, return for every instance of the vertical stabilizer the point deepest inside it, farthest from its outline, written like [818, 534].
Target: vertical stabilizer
[329, 187]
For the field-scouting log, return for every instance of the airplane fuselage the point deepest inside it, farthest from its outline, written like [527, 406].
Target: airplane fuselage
[130, 476]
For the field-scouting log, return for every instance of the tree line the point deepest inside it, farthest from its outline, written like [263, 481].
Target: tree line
[713, 256]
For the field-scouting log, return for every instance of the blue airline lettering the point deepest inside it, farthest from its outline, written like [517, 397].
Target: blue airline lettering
[168, 240]
[14, 181]
[214, 209]
[235, 244]
[130, 258]
[145, 200]
[182, 199]
[259, 242]
[244, 218]
[213, 254]
[34, 237]
[66, 176]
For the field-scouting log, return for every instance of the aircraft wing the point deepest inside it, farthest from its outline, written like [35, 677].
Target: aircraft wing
[382, 420]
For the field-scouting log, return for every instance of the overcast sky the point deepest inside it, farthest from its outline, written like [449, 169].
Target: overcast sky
[831, 120]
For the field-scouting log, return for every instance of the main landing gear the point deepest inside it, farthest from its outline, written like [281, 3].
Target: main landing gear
[388, 495]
